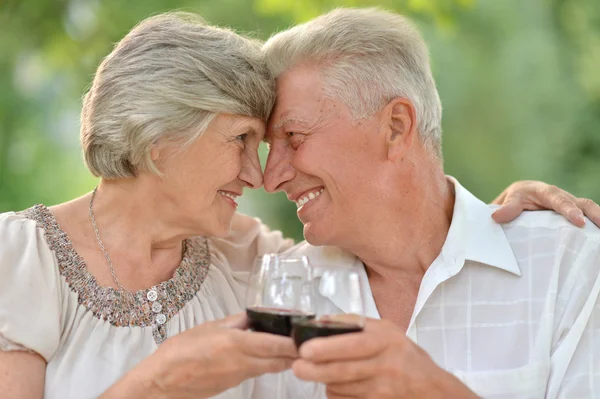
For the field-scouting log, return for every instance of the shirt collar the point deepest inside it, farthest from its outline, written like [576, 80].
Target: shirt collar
[475, 236]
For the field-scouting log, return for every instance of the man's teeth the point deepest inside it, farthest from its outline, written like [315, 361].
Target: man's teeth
[311, 196]
[228, 195]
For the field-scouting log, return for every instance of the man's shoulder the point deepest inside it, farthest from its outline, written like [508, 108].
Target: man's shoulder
[550, 224]
[545, 242]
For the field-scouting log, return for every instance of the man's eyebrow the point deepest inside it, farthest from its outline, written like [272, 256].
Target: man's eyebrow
[285, 120]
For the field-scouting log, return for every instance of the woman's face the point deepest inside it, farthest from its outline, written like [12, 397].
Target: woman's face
[204, 179]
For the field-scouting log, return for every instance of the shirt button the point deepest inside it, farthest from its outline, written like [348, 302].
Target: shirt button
[156, 307]
[161, 319]
[152, 295]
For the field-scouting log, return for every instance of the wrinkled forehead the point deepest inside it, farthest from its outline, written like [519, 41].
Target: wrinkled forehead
[292, 116]
[296, 89]
[299, 103]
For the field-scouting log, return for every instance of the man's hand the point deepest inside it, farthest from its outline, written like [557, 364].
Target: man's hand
[380, 362]
[536, 195]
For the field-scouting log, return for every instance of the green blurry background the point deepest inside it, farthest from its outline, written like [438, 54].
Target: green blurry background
[519, 80]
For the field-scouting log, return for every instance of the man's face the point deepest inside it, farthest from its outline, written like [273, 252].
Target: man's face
[324, 160]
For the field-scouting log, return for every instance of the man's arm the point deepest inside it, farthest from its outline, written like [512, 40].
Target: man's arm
[379, 363]
[575, 354]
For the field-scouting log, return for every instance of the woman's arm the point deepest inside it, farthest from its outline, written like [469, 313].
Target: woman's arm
[199, 363]
[536, 195]
[22, 375]
[135, 384]
[205, 361]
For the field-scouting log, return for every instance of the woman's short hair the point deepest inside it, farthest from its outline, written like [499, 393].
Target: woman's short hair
[165, 81]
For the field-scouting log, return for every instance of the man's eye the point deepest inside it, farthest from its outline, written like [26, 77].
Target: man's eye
[242, 137]
[291, 134]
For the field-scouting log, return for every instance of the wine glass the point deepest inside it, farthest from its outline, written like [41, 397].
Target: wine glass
[338, 306]
[279, 292]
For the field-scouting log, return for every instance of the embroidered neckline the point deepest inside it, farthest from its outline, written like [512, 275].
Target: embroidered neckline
[144, 308]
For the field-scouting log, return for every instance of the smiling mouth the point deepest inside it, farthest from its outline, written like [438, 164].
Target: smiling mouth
[307, 197]
[231, 196]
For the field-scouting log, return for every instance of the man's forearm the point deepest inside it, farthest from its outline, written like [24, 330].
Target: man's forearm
[451, 387]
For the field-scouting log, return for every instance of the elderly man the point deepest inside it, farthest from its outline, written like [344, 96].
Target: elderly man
[469, 307]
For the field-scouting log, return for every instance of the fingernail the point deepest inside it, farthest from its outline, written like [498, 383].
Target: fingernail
[576, 214]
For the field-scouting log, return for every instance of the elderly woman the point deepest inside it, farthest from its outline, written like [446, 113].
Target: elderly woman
[92, 287]
[133, 290]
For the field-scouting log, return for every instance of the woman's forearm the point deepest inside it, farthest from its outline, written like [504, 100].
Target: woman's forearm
[138, 383]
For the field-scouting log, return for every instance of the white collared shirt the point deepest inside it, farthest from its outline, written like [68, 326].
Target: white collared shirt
[512, 310]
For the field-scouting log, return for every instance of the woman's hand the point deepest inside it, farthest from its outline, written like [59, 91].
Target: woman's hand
[536, 195]
[206, 360]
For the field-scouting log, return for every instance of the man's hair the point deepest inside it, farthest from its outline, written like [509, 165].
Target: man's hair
[165, 81]
[366, 58]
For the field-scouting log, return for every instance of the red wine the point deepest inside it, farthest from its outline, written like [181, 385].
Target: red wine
[303, 330]
[274, 321]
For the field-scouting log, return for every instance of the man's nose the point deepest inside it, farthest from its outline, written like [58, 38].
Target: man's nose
[279, 169]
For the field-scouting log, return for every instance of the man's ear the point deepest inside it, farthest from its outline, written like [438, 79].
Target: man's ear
[400, 122]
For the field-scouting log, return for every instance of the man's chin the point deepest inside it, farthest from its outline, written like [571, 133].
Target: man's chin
[315, 236]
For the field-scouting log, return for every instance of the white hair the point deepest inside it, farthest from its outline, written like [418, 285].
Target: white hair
[367, 57]
[164, 82]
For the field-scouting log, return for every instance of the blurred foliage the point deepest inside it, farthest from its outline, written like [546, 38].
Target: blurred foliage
[518, 80]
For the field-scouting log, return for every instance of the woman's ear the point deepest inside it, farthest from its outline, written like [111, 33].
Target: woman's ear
[155, 151]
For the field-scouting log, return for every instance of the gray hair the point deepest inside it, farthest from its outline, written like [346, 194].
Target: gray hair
[367, 57]
[166, 80]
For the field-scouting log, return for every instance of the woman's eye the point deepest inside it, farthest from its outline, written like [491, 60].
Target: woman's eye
[242, 137]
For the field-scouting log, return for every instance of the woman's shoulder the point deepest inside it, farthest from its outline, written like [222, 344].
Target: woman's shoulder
[26, 251]
[246, 228]
[30, 284]
[25, 242]
[249, 238]
[21, 229]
